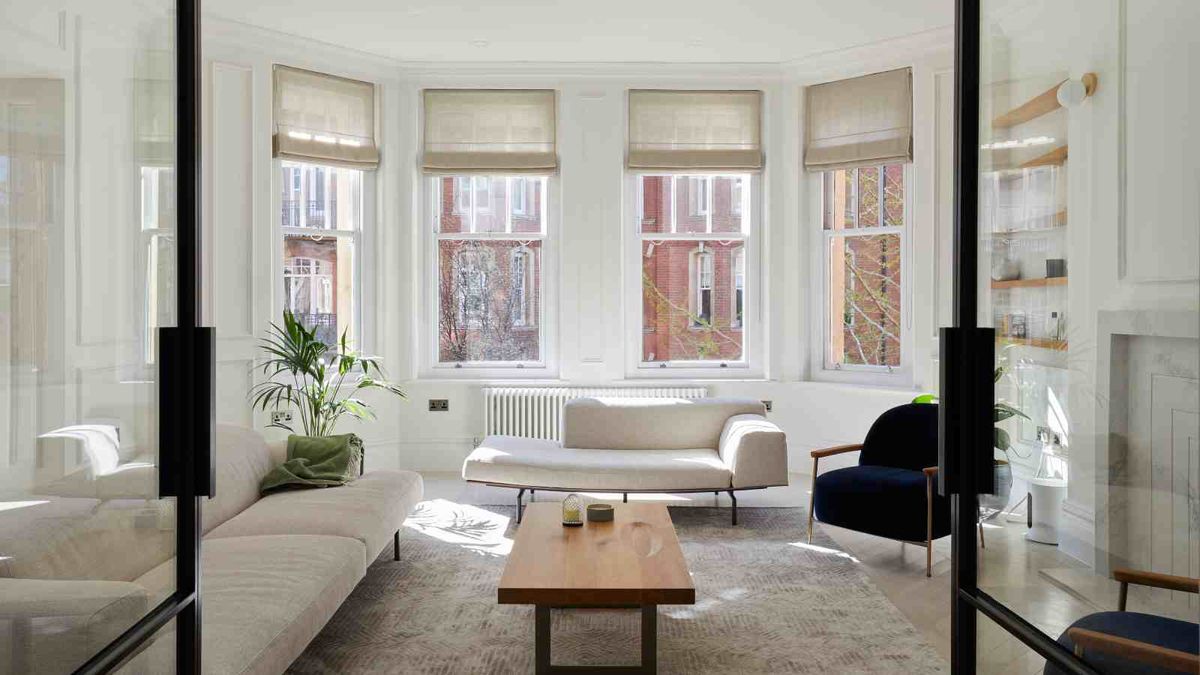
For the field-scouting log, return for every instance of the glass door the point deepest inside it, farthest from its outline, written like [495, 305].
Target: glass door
[97, 516]
[1074, 440]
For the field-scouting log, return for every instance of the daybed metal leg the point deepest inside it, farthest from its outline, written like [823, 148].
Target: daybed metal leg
[532, 495]
[733, 498]
[520, 494]
[396, 546]
[625, 497]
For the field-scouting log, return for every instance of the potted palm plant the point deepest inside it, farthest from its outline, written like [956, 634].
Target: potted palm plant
[322, 382]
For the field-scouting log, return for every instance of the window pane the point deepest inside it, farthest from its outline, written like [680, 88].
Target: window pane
[893, 195]
[318, 281]
[526, 198]
[490, 204]
[691, 203]
[864, 300]
[868, 197]
[727, 203]
[689, 301]
[489, 301]
[656, 207]
[854, 197]
[320, 197]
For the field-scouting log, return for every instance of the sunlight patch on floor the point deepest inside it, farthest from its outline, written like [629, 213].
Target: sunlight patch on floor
[470, 527]
[827, 551]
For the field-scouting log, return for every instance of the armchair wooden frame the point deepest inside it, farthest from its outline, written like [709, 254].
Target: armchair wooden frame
[930, 475]
[1153, 655]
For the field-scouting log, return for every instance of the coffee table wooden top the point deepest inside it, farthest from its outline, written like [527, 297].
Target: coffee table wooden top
[634, 560]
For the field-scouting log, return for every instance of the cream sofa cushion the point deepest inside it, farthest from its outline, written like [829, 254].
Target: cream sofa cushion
[369, 509]
[650, 423]
[265, 599]
[508, 460]
[241, 460]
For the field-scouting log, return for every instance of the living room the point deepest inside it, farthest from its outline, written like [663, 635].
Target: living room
[692, 337]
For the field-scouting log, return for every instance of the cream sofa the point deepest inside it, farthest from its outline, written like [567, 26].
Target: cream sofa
[641, 445]
[274, 569]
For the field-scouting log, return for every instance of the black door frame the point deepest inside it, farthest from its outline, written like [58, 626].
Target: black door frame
[185, 384]
[967, 391]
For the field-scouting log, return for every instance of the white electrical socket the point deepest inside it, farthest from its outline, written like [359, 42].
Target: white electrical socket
[281, 417]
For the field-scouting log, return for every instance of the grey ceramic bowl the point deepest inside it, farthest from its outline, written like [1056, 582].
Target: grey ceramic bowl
[599, 513]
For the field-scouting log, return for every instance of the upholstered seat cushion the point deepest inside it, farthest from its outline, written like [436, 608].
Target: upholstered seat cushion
[1174, 634]
[507, 460]
[265, 599]
[369, 509]
[880, 500]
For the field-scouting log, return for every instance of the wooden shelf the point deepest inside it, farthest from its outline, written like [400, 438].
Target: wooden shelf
[1043, 103]
[1030, 283]
[1053, 158]
[1040, 343]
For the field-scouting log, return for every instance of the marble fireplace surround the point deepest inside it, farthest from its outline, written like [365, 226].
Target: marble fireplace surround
[1147, 506]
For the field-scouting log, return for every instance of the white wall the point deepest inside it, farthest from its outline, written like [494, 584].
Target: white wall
[590, 344]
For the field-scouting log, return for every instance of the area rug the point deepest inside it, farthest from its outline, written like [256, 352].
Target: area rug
[767, 601]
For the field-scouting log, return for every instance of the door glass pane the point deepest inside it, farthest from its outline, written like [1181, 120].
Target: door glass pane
[1088, 243]
[87, 274]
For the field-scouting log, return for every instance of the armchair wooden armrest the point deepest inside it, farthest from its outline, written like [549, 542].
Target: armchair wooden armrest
[816, 457]
[1170, 582]
[1159, 657]
[835, 450]
[930, 471]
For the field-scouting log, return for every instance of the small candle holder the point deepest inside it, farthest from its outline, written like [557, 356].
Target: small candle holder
[572, 511]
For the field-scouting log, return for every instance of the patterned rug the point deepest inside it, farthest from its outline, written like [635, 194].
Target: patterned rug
[766, 602]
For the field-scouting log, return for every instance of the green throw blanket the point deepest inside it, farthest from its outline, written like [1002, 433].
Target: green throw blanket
[316, 461]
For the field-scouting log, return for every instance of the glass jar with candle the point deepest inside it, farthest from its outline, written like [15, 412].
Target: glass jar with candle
[572, 511]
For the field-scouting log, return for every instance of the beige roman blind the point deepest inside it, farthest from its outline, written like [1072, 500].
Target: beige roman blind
[674, 130]
[490, 131]
[863, 121]
[324, 119]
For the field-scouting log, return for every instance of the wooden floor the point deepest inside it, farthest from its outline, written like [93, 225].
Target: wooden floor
[1011, 569]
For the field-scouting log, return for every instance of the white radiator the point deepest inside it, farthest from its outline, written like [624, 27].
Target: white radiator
[536, 412]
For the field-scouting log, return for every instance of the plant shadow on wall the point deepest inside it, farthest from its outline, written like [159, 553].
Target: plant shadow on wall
[321, 382]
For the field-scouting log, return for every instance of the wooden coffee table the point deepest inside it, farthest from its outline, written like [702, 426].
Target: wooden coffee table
[632, 562]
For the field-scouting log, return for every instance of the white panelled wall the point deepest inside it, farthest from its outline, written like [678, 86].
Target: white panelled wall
[589, 298]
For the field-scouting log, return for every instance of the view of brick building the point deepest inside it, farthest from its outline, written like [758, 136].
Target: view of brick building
[693, 289]
[864, 218]
[489, 268]
[317, 269]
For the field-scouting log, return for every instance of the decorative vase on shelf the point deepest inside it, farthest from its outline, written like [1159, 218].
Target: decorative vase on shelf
[1005, 269]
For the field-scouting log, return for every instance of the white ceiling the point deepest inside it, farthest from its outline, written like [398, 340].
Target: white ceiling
[600, 31]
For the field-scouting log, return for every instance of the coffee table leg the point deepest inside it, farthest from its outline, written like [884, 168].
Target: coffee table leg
[541, 639]
[649, 638]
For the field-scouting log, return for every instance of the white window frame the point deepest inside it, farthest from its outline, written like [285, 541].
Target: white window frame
[431, 368]
[362, 239]
[519, 196]
[821, 367]
[700, 259]
[150, 231]
[523, 259]
[699, 197]
[738, 280]
[751, 365]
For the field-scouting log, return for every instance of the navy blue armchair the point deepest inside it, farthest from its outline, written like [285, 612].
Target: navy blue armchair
[891, 493]
[1132, 643]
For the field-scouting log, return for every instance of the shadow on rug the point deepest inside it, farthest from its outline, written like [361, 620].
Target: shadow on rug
[766, 602]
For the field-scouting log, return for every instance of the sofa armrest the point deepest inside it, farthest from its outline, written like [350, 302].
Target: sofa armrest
[755, 450]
